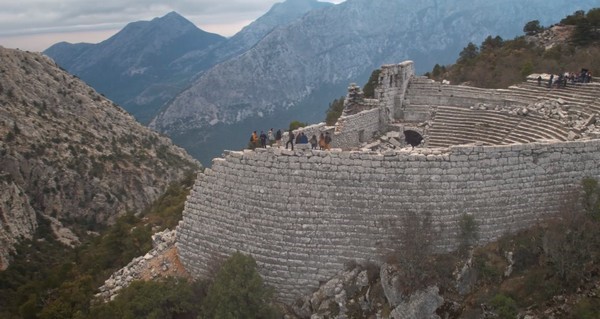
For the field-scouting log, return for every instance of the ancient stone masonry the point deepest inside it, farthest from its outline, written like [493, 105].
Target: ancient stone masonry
[303, 214]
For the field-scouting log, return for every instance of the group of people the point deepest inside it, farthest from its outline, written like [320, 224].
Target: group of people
[561, 80]
[324, 141]
[269, 138]
[265, 139]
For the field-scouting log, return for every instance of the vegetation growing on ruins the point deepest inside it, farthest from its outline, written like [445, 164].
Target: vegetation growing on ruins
[369, 87]
[499, 63]
[296, 124]
[334, 111]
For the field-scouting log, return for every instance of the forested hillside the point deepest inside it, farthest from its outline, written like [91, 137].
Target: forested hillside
[569, 46]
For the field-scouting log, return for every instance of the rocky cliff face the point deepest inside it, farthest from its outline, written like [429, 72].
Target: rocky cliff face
[70, 155]
[281, 14]
[341, 44]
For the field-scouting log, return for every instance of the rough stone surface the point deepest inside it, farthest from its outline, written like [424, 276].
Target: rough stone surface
[69, 154]
[161, 261]
[421, 305]
[304, 214]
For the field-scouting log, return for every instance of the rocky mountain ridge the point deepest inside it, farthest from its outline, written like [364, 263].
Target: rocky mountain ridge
[137, 67]
[69, 155]
[149, 62]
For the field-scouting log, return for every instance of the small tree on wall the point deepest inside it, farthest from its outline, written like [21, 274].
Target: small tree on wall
[413, 239]
[469, 232]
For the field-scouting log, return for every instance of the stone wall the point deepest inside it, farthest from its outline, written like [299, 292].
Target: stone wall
[352, 130]
[393, 81]
[303, 214]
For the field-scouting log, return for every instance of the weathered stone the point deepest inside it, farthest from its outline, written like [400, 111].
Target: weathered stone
[422, 304]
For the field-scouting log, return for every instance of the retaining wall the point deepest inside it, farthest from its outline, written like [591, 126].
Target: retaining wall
[302, 215]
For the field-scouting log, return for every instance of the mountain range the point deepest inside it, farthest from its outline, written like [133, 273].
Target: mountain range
[70, 157]
[291, 62]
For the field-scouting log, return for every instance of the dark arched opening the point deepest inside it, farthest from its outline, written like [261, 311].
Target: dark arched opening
[413, 138]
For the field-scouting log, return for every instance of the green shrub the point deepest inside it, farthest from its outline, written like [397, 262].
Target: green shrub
[469, 232]
[369, 88]
[238, 291]
[586, 308]
[334, 111]
[505, 307]
[296, 124]
[168, 298]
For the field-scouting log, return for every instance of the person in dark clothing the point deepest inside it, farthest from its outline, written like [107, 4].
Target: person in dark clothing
[313, 142]
[539, 79]
[263, 139]
[303, 138]
[278, 136]
[290, 140]
[550, 81]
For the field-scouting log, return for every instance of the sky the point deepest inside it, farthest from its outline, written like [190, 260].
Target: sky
[35, 25]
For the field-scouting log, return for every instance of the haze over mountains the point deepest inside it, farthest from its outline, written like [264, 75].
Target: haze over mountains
[285, 66]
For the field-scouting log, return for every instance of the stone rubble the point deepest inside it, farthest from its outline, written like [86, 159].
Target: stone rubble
[123, 277]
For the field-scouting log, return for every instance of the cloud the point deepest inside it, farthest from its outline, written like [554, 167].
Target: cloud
[25, 22]
[38, 16]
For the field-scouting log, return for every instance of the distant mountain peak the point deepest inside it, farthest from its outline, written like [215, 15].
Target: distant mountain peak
[171, 17]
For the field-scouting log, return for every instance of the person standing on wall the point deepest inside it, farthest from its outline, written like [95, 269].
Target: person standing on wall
[254, 139]
[290, 140]
[263, 139]
[322, 141]
[327, 140]
[278, 137]
[313, 142]
[270, 136]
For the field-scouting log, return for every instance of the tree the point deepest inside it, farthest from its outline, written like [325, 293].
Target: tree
[334, 111]
[369, 88]
[238, 291]
[468, 53]
[573, 18]
[532, 27]
[492, 43]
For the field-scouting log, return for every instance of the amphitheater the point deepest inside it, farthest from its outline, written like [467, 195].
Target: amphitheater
[509, 158]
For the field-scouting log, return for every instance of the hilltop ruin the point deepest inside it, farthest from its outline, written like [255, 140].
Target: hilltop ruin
[506, 157]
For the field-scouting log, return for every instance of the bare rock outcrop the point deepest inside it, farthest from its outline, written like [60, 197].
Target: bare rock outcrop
[69, 155]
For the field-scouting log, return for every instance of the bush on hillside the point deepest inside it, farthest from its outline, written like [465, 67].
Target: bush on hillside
[167, 298]
[238, 291]
[497, 63]
[532, 27]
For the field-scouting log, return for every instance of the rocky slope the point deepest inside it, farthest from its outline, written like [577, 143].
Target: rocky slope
[280, 14]
[69, 155]
[331, 47]
[137, 66]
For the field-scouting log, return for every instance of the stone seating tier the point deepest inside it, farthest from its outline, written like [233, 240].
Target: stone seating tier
[461, 125]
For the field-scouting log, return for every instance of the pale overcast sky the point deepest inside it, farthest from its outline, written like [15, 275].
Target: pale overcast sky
[35, 25]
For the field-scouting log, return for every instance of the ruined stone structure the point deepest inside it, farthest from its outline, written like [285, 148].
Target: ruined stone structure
[507, 157]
